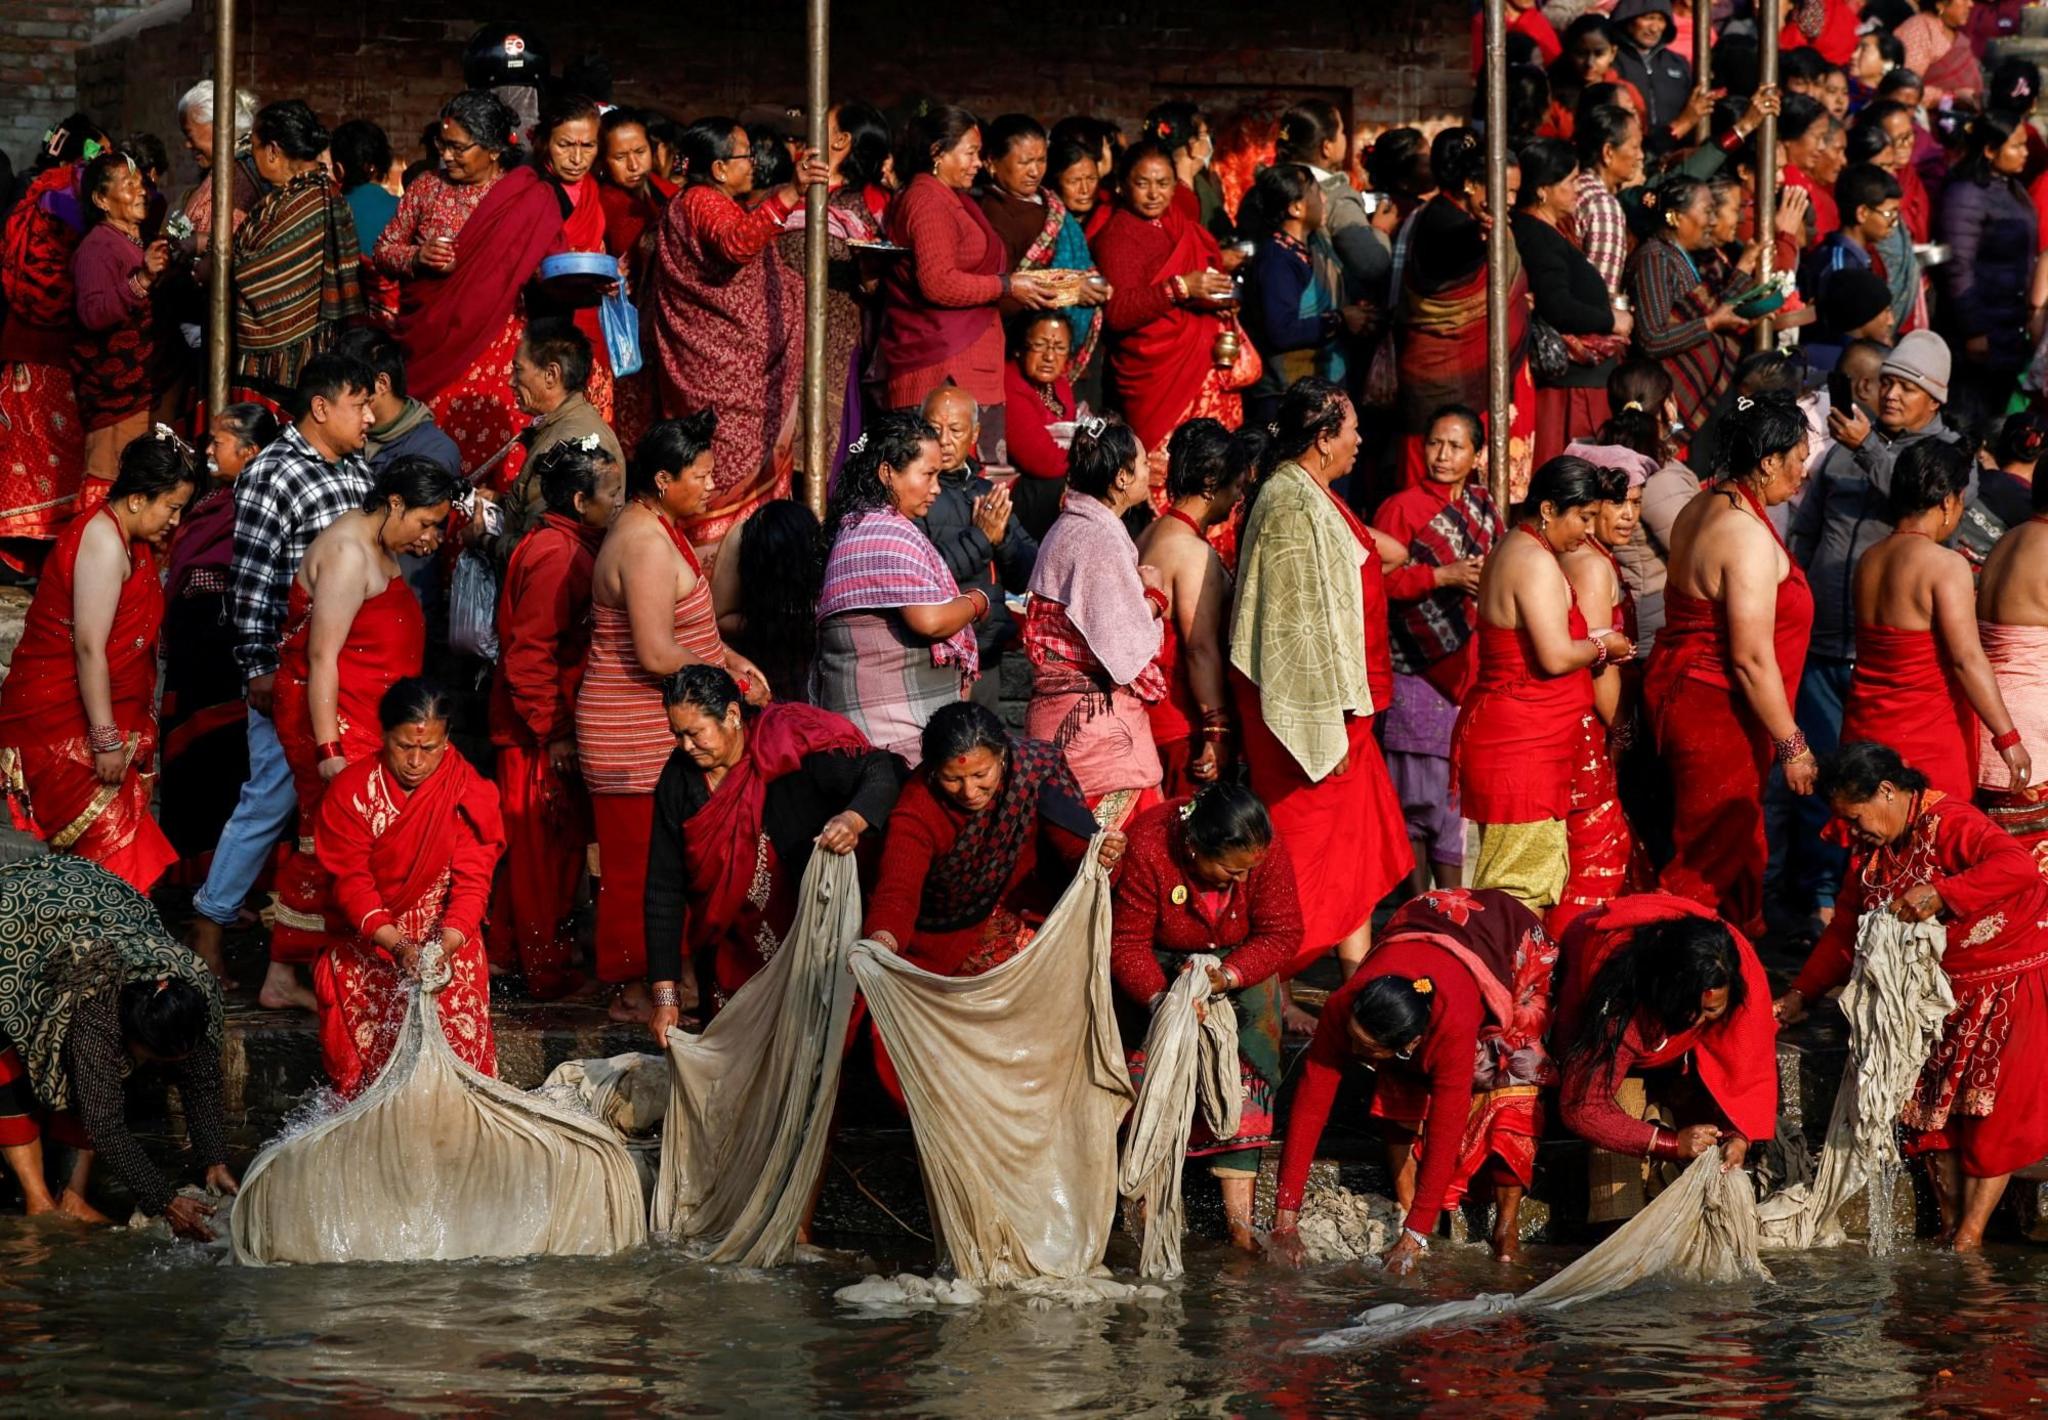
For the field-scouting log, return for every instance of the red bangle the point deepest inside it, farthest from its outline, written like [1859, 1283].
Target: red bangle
[330, 749]
[2006, 741]
[1158, 600]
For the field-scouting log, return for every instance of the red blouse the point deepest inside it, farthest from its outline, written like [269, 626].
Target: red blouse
[1161, 908]
[1027, 425]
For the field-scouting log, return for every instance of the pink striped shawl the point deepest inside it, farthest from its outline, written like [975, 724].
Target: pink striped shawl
[884, 563]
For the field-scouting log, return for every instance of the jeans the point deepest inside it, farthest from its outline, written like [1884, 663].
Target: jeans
[262, 815]
[1823, 692]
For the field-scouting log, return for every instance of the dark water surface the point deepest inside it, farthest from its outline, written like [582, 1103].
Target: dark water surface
[119, 1323]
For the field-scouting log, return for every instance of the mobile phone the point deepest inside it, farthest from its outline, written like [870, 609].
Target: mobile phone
[1839, 395]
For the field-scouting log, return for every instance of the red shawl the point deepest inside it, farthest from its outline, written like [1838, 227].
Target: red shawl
[1160, 366]
[1736, 1056]
[628, 218]
[36, 247]
[445, 322]
[721, 841]
[385, 864]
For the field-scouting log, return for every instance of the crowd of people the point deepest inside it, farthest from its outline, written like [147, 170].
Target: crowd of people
[1188, 421]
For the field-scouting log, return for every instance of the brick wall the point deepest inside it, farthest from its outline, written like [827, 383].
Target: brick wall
[1383, 60]
[39, 46]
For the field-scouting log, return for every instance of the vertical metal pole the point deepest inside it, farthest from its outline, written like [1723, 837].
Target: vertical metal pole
[1497, 391]
[1702, 46]
[222, 231]
[1771, 20]
[817, 438]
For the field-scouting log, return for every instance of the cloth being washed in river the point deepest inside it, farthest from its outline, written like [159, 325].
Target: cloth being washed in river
[1016, 1084]
[750, 1099]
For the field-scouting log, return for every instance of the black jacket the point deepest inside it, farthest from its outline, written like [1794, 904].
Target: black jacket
[973, 560]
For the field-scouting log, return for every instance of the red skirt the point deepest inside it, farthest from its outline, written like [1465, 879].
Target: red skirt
[1502, 1125]
[1345, 833]
[1719, 760]
[1564, 414]
[42, 456]
[1605, 860]
[625, 824]
[57, 796]
[547, 829]
[2009, 1129]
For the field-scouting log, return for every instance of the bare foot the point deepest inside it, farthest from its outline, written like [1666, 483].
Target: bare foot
[73, 1206]
[1295, 1021]
[205, 941]
[41, 1205]
[283, 991]
[632, 1005]
[1242, 1238]
[1967, 1242]
[1507, 1249]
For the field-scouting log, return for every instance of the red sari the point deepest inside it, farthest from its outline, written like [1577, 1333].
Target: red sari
[460, 329]
[1994, 1046]
[1604, 858]
[1470, 1090]
[46, 766]
[1735, 1058]
[386, 642]
[421, 862]
[42, 457]
[741, 899]
[1904, 693]
[1161, 363]
[1718, 751]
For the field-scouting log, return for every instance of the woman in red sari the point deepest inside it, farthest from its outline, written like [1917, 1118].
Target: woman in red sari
[1661, 1004]
[1725, 674]
[1310, 665]
[78, 727]
[565, 145]
[743, 800]
[1205, 876]
[411, 835]
[1928, 857]
[1451, 1010]
[1442, 303]
[1172, 295]
[728, 325]
[463, 245]
[353, 629]
[635, 199]
[43, 457]
[939, 319]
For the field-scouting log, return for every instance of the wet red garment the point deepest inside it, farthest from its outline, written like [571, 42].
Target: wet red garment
[1904, 693]
[624, 825]
[1160, 907]
[1994, 1047]
[1517, 730]
[1736, 1057]
[1600, 846]
[723, 843]
[1484, 1038]
[1718, 751]
[1160, 352]
[419, 861]
[386, 642]
[46, 765]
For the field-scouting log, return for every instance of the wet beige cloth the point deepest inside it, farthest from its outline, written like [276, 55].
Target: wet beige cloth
[1190, 1064]
[435, 1162]
[750, 1099]
[1016, 1084]
[629, 1092]
[1896, 1002]
[1701, 1229]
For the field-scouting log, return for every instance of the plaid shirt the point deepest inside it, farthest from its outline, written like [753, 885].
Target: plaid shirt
[283, 500]
[1602, 230]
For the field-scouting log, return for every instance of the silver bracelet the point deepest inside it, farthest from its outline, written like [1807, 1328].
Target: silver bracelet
[1421, 1239]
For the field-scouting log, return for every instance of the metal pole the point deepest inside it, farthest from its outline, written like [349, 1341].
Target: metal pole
[1767, 152]
[817, 445]
[1497, 250]
[1702, 47]
[222, 231]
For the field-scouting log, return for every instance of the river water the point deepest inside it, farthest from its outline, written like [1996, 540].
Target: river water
[121, 1323]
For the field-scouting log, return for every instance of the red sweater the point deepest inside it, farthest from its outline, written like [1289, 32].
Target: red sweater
[1160, 908]
[1444, 1057]
[543, 633]
[1027, 425]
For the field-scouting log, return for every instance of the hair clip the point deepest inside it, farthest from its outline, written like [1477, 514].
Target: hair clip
[1635, 404]
[1423, 985]
[1093, 427]
[1744, 402]
[590, 443]
[859, 445]
[1273, 430]
[1187, 810]
[169, 435]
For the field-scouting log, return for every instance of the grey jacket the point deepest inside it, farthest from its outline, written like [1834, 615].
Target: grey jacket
[976, 562]
[1841, 516]
[1367, 255]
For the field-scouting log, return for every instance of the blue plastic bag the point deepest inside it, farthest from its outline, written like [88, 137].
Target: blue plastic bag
[621, 324]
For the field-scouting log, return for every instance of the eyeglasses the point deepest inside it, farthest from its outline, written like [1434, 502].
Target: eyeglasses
[739, 158]
[448, 149]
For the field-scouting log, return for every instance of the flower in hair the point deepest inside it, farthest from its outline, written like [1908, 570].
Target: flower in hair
[165, 433]
[590, 443]
[1423, 985]
[1273, 430]
[1187, 810]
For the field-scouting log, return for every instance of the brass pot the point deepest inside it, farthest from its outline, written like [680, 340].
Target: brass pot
[1225, 351]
